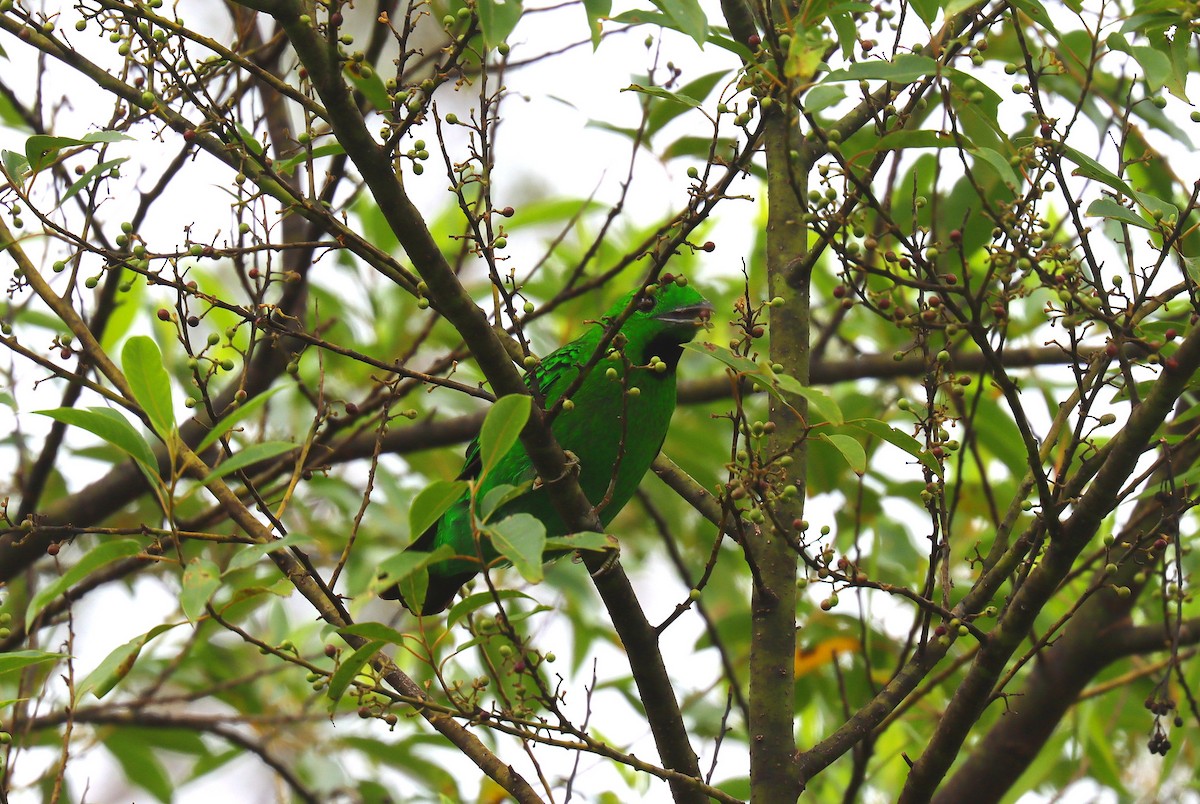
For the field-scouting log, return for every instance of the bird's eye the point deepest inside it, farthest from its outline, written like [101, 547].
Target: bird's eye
[646, 304]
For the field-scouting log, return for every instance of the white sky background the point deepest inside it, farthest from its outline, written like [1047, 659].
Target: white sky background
[545, 146]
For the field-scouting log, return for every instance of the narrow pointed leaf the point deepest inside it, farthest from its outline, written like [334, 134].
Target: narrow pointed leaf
[521, 538]
[251, 554]
[433, 501]
[348, 669]
[851, 450]
[239, 414]
[374, 631]
[201, 579]
[819, 402]
[113, 428]
[142, 363]
[103, 554]
[118, 663]
[899, 439]
[473, 603]
[19, 660]
[587, 540]
[247, 457]
[502, 428]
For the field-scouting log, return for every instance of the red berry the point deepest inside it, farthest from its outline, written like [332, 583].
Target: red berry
[164, 314]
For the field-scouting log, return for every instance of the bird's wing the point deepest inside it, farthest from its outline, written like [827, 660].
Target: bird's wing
[552, 375]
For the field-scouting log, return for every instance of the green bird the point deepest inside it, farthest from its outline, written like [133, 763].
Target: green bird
[613, 425]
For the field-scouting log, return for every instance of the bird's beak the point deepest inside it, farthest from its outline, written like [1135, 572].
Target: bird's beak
[698, 314]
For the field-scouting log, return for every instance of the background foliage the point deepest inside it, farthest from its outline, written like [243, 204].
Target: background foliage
[922, 528]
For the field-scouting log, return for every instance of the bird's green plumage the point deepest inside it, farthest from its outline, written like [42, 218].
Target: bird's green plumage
[613, 433]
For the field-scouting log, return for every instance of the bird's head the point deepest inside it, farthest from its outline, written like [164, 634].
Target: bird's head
[665, 315]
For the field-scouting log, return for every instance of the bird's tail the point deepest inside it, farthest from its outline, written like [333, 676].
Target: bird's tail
[439, 595]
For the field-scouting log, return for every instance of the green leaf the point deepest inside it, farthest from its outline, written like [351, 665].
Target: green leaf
[15, 165]
[818, 401]
[585, 540]
[117, 664]
[114, 428]
[240, 413]
[139, 762]
[851, 450]
[247, 457]
[106, 136]
[501, 429]
[998, 163]
[249, 140]
[698, 89]
[644, 17]
[142, 363]
[433, 501]
[1108, 208]
[688, 18]
[88, 177]
[473, 603]
[659, 92]
[805, 52]
[201, 579]
[742, 365]
[521, 538]
[251, 554]
[1156, 65]
[497, 18]
[917, 139]
[1091, 169]
[370, 85]
[900, 439]
[927, 10]
[348, 669]
[286, 166]
[596, 11]
[498, 496]
[1156, 206]
[101, 555]
[822, 96]
[42, 149]
[374, 631]
[906, 67]
[408, 570]
[1035, 11]
[20, 659]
